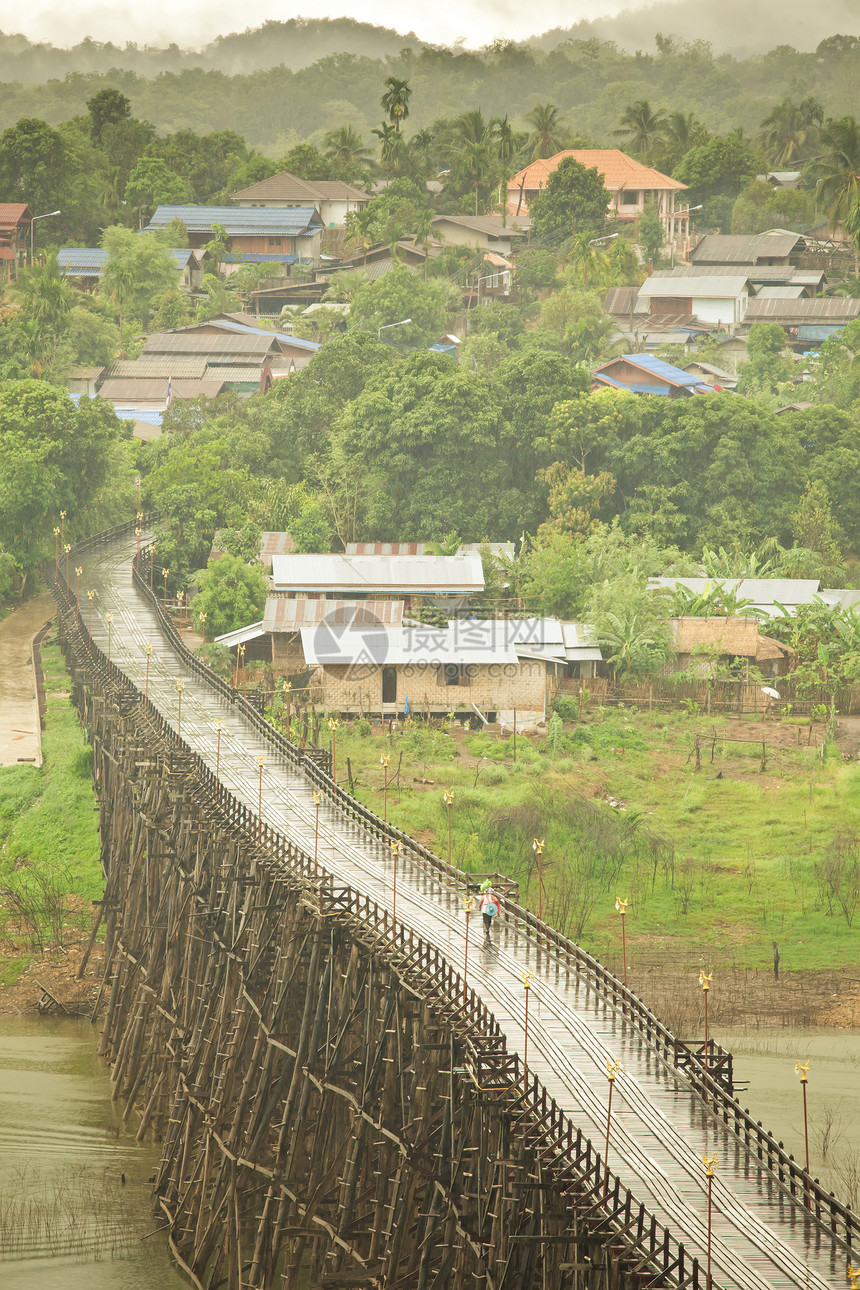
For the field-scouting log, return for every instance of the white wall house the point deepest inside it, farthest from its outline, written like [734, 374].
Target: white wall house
[720, 300]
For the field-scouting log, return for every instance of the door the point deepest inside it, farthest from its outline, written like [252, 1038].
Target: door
[389, 684]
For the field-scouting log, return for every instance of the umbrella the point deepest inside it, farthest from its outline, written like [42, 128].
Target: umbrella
[770, 692]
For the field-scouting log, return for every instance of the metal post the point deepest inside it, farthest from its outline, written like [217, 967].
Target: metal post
[710, 1163]
[260, 760]
[705, 983]
[467, 901]
[180, 687]
[384, 760]
[612, 1069]
[317, 800]
[528, 977]
[148, 652]
[219, 726]
[802, 1069]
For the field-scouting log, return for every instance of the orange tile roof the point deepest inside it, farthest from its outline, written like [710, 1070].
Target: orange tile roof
[13, 213]
[615, 168]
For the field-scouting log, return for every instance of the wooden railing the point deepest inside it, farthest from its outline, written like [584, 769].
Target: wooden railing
[563, 1148]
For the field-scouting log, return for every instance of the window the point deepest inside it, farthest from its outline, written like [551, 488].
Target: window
[628, 198]
[454, 674]
[274, 241]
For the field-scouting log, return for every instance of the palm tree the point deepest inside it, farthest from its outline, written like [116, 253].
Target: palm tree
[642, 128]
[347, 153]
[395, 101]
[548, 131]
[361, 227]
[635, 647]
[478, 162]
[836, 169]
[391, 148]
[44, 294]
[791, 128]
[505, 140]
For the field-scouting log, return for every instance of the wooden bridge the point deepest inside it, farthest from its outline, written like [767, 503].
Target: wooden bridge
[340, 1086]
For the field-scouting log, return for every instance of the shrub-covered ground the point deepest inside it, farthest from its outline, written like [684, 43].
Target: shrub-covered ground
[717, 862]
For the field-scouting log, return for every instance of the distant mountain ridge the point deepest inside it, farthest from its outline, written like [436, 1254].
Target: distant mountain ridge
[295, 43]
[742, 28]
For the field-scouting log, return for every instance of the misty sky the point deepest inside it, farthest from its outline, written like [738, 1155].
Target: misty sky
[193, 23]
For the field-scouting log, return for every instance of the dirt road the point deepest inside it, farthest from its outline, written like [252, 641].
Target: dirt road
[20, 734]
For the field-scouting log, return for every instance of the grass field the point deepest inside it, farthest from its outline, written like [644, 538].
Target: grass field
[719, 861]
[49, 852]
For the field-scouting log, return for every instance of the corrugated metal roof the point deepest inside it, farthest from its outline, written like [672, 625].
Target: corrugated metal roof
[246, 329]
[283, 221]
[214, 345]
[259, 257]
[835, 310]
[428, 574]
[149, 415]
[720, 286]
[461, 645]
[192, 369]
[242, 634]
[787, 292]
[155, 390]
[761, 591]
[755, 273]
[89, 261]
[731, 248]
[287, 614]
[420, 548]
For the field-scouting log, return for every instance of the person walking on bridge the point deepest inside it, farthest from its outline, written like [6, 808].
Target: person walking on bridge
[489, 907]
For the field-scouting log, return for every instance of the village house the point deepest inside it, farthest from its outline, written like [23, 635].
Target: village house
[701, 645]
[633, 187]
[502, 234]
[718, 301]
[86, 264]
[254, 234]
[775, 247]
[647, 374]
[767, 596]
[14, 234]
[332, 198]
[805, 322]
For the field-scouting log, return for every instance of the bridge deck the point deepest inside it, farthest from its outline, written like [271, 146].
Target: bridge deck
[660, 1127]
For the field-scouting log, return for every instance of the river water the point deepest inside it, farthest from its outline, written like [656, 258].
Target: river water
[74, 1184]
[67, 1218]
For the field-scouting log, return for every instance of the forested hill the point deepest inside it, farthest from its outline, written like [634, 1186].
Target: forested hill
[737, 27]
[295, 43]
[587, 81]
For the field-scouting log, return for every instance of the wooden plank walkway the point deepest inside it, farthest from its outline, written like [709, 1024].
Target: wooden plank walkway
[661, 1129]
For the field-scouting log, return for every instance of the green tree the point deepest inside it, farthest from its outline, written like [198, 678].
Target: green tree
[548, 131]
[715, 173]
[306, 162]
[138, 271]
[766, 368]
[397, 296]
[347, 154]
[231, 594]
[790, 131]
[33, 165]
[642, 129]
[107, 108]
[814, 529]
[574, 201]
[54, 455]
[395, 101]
[152, 184]
[835, 170]
[651, 234]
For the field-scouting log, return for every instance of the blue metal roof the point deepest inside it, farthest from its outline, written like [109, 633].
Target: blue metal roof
[89, 261]
[272, 221]
[666, 371]
[139, 414]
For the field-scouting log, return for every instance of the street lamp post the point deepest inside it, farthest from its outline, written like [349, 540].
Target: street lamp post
[710, 1163]
[395, 851]
[802, 1069]
[62, 528]
[33, 218]
[240, 652]
[403, 322]
[528, 977]
[110, 625]
[448, 799]
[151, 566]
[147, 649]
[537, 846]
[67, 548]
[219, 726]
[705, 983]
[384, 760]
[56, 544]
[333, 725]
[180, 687]
[137, 533]
[90, 597]
[78, 572]
[468, 903]
[260, 761]
[317, 801]
[612, 1069]
[165, 573]
[621, 906]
